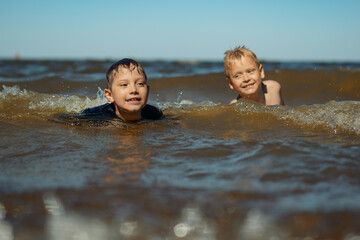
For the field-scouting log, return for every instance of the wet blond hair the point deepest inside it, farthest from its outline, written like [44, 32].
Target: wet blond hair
[127, 63]
[237, 54]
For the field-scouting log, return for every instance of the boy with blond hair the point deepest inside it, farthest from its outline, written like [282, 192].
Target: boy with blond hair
[127, 92]
[245, 75]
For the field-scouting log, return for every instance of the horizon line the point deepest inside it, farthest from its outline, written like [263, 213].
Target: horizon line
[19, 58]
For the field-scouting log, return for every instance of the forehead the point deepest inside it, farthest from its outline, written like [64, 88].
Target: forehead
[243, 62]
[124, 72]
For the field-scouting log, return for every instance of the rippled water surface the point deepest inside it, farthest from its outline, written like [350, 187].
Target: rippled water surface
[208, 170]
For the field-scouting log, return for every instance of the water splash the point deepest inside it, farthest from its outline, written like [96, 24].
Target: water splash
[14, 91]
[334, 115]
[337, 116]
[193, 225]
[6, 231]
[70, 103]
[25, 101]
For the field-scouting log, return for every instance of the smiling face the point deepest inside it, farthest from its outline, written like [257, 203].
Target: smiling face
[245, 76]
[129, 92]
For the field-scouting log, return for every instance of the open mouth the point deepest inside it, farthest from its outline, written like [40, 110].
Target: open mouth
[249, 85]
[134, 100]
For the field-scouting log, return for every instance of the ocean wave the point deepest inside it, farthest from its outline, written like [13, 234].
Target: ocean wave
[333, 115]
[336, 116]
[17, 102]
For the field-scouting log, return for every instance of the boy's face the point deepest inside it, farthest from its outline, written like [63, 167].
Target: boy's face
[129, 92]
[245, 76]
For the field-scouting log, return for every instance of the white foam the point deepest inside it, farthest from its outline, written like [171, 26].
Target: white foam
[70, 103]
[343, 115]
[12, 91]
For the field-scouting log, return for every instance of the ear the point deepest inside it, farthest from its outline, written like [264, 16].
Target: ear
[108, 95]
[262, 72]
[230, 83]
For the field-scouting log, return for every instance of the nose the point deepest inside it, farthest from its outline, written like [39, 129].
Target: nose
[133, 89]
[246, 77]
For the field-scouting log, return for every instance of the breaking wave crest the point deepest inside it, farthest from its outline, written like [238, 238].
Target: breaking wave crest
[334, 115]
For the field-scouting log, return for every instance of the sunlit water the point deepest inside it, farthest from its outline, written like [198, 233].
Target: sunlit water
[208, 170]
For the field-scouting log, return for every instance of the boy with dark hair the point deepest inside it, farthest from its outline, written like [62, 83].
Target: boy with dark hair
[127, 91]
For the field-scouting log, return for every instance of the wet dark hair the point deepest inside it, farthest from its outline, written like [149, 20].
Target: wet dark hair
[128, 63]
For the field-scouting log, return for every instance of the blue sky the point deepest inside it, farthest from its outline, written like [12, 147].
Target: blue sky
[324, 30]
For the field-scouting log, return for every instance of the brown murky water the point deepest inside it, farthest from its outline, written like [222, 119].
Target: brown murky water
[207, 171]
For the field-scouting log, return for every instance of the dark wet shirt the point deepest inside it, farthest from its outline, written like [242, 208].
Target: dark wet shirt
[108, 111]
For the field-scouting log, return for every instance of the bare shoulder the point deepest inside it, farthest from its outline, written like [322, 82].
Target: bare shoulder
[273, 96]
[272, 85]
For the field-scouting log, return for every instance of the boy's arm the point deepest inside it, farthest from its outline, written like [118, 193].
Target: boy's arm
[274, 93]
[235, 100]
[278, 94]
[282, 103]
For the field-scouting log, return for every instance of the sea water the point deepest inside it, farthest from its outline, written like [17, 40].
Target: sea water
[208, 170]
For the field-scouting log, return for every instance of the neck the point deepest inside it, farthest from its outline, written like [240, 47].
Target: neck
[257, 97]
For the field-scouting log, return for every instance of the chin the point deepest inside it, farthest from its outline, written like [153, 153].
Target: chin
[251, 90]
[134, 110]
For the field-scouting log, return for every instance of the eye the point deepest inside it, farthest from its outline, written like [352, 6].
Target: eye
[238, 75]
[141, 84]
[123, 85]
